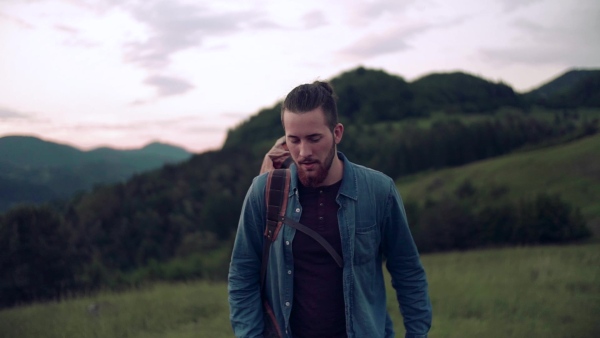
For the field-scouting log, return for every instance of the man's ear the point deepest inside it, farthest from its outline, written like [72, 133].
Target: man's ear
[338, 132]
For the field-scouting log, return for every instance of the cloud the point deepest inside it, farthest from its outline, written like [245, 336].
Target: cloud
[21, 23]
[165, 86]
[373, 45]
[148, 129]
[231, 115]
[513, 5]
[206, 129]
[544, 54]
[570, 38]
[176, 122]
[314, 19]
[66, 29]
[73, 37]
[6, 113]
[264, 24]
[168, 86]
[366, 12]
[395, 38]
[175, 26]
[169, 27]
[390, 41]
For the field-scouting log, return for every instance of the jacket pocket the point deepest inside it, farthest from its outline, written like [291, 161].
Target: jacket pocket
[366, 242]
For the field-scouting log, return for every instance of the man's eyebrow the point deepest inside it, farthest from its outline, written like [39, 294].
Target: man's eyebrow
[314, 135]
[307, 136]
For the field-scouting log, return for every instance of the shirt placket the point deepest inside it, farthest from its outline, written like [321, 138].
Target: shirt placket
[321, 211]
[296, 212]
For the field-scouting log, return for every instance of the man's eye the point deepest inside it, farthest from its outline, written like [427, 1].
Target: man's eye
[315, 139]
[293, 141]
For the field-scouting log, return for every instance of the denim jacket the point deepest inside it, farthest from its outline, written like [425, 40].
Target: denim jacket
[373, 226]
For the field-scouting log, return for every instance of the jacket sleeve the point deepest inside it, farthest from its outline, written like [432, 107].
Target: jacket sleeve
[244, 269]
[404, 265]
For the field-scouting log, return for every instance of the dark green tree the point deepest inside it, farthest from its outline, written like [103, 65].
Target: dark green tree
[38, 256]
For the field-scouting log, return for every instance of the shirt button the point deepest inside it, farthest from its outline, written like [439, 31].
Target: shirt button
[320, 218]
[287, 242]
[297, 209]
[320, 204]
[287, 303]
[320, 191]
[289, 272]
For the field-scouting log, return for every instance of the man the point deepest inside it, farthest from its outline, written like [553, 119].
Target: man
[357, 210]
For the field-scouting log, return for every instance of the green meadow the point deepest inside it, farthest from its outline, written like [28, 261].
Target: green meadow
[549, 291]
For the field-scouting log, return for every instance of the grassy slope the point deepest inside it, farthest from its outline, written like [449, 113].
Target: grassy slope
[520, 292]
[571, 170]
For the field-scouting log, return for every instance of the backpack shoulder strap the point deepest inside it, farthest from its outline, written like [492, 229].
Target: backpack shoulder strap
[276, 197]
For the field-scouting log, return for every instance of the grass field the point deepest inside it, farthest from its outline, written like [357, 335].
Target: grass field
[551, 291]
[571, 170]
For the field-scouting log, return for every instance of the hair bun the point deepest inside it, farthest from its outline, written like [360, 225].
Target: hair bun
[325, 85]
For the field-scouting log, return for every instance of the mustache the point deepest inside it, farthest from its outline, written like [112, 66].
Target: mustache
[308, 161]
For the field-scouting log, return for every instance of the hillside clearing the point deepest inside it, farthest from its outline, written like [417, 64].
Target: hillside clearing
[571, 170]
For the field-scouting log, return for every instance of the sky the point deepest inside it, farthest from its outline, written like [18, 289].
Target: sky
[123, 73]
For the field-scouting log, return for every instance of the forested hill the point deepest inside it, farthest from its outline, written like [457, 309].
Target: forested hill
[575, 88]
[177, 222]
[34, 170]
[368, 96]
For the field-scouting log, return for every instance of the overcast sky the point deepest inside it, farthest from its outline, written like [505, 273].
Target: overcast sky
[124, 73]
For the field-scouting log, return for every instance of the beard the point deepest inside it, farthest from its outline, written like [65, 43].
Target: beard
[314, 178]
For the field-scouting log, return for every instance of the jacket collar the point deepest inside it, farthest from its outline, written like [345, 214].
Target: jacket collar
[349, 187]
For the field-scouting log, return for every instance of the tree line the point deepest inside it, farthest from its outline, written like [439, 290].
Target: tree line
[404, 149]
[469, 218]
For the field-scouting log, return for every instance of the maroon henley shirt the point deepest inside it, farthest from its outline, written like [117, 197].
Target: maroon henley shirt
[318, 309]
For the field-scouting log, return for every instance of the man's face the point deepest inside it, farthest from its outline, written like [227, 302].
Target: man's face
[311, 144]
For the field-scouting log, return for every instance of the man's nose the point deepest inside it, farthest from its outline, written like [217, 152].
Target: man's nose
[305, 150]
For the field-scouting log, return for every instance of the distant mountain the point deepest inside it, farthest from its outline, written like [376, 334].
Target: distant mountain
[34, 152]
[163, 149]
[34, 170]
[158, 149]
[575, 88]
